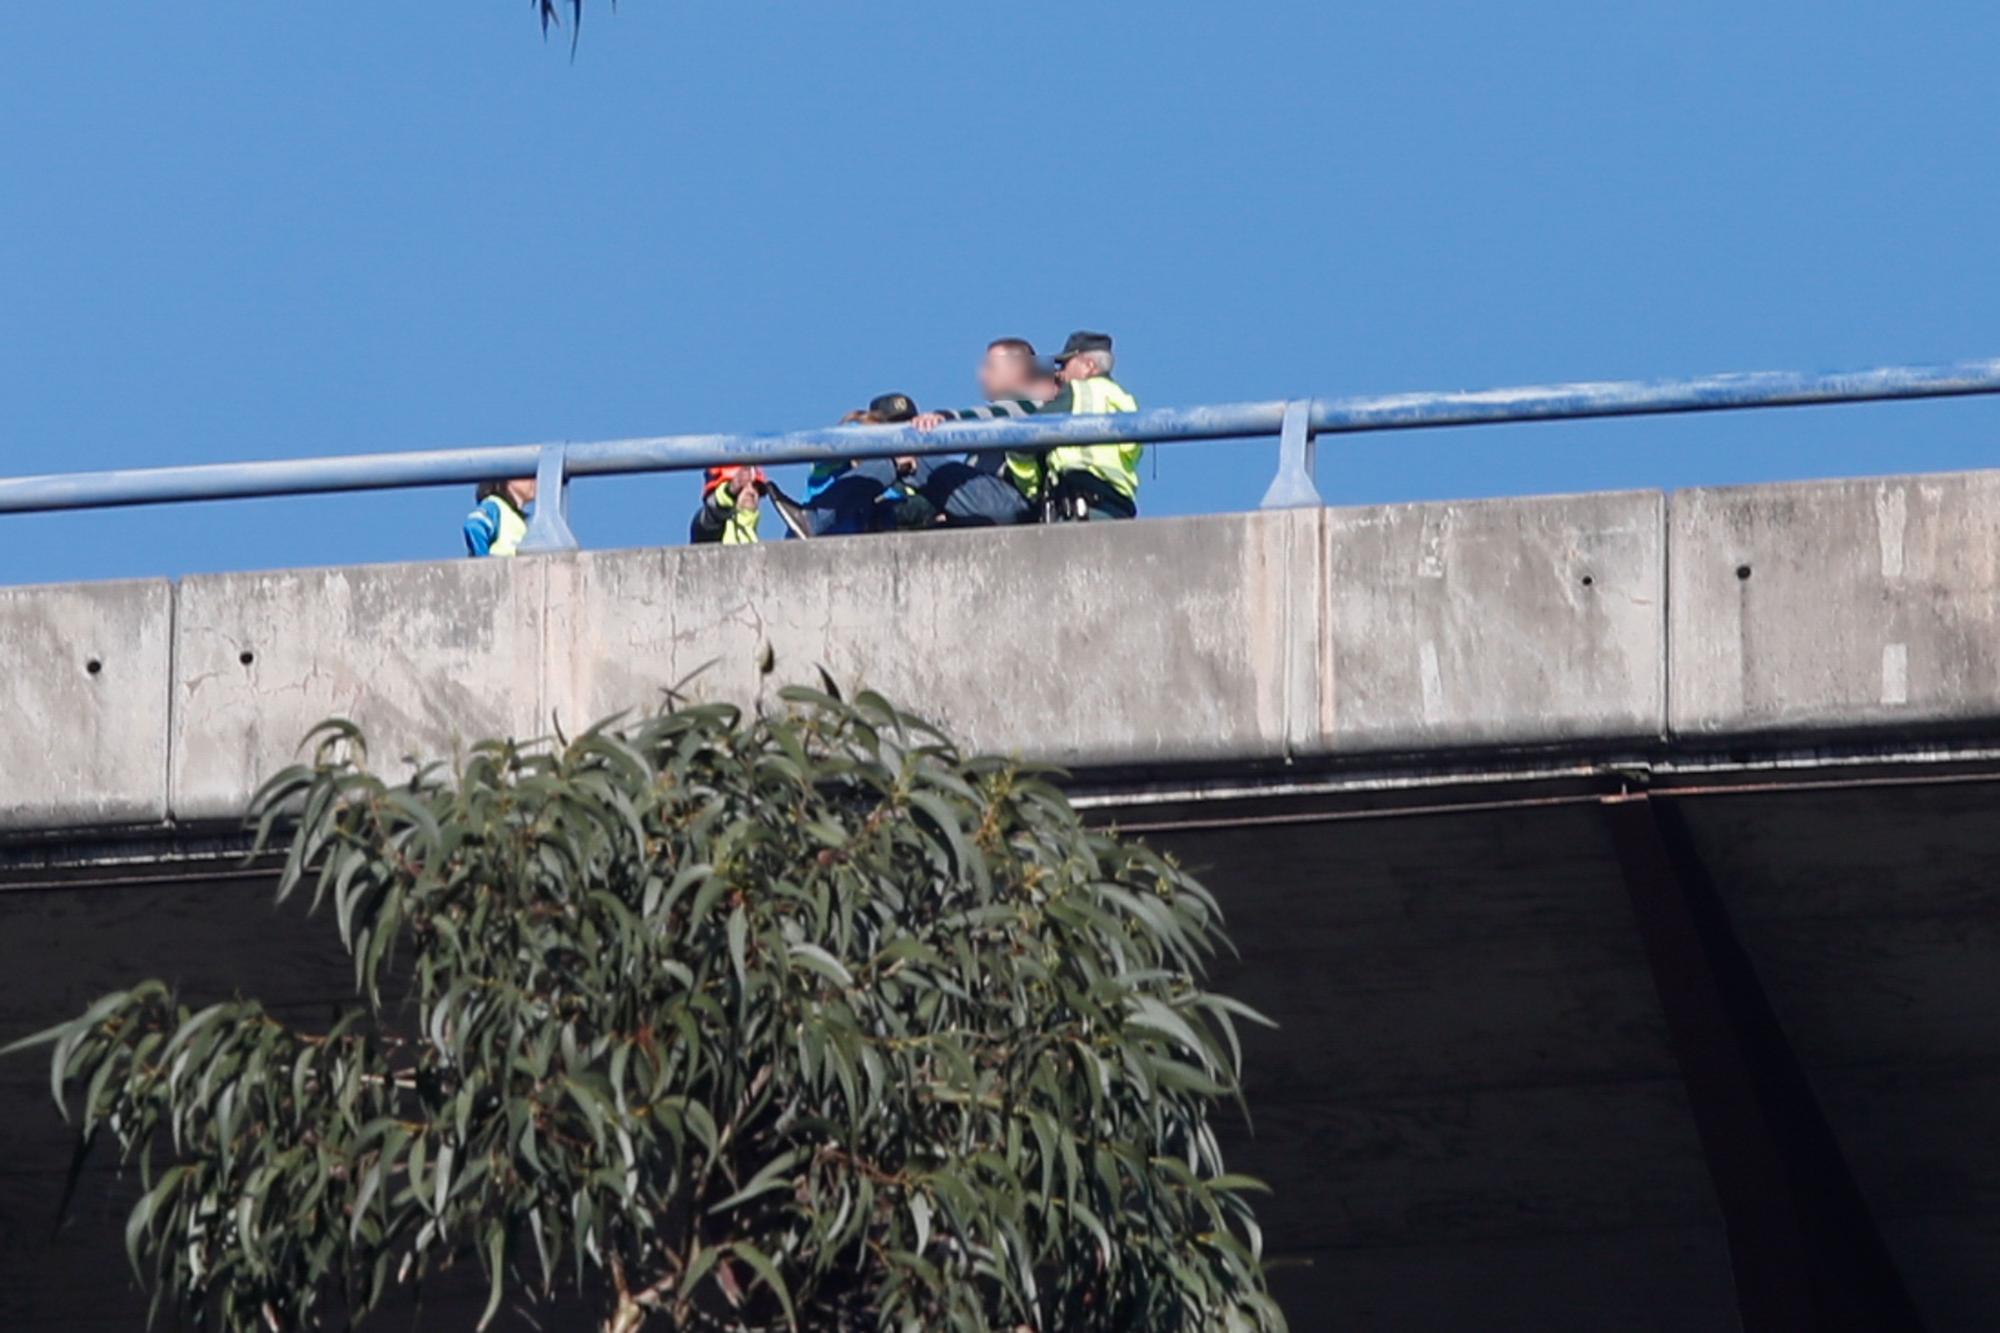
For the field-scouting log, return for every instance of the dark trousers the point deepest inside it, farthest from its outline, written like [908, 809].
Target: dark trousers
[971, 496]
[853, 501]
[1097, 498]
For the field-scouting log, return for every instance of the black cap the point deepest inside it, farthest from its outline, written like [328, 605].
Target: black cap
[892, 407]
[1083, 340]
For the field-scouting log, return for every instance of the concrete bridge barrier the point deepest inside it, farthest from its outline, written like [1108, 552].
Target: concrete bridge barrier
[1599, 623]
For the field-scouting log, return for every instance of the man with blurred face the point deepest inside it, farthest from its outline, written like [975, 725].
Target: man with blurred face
[980, 492]
[1011, 369]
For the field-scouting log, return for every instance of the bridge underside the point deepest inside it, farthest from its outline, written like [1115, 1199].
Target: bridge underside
[1478, 1111]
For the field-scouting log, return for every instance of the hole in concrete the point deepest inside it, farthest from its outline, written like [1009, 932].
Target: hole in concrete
[1743, 571]
[246, 657]
[1588, 580]
[93, 666]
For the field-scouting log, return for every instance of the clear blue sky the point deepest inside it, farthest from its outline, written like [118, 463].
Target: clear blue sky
[244, 230]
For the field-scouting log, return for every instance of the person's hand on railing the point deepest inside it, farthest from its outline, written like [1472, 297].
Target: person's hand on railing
[926, 422]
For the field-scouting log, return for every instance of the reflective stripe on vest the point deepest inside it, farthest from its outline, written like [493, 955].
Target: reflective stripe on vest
[512, 528]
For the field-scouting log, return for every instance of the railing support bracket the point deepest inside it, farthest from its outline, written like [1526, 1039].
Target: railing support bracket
[548, 527]
[1293, 487]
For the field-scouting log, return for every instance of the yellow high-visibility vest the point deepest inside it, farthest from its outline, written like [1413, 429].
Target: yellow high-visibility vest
[513, 528]
[1117, 465]
[740, 527]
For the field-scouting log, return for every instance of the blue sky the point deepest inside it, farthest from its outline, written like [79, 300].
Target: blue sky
[246, 230]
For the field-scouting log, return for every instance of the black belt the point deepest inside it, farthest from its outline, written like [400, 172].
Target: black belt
[1077, 492]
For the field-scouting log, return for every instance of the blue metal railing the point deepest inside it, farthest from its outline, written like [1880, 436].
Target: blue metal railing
[1296, 424]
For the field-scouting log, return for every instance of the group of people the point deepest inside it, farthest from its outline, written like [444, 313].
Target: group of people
[984, 489]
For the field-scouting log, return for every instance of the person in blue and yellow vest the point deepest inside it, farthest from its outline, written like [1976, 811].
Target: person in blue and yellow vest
[731, 498]
[859, 495]
[499, 520]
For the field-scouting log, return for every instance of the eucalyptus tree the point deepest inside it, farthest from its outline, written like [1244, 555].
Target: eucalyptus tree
[795, 1020]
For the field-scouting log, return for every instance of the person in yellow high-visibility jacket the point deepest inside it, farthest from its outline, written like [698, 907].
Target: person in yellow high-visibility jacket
[1088, 480]
[730, 502]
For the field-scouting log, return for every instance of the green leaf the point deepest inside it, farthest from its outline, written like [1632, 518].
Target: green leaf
[663, 895]
[767, 1273]
[141, 1217]
[441, 1179]
[739, 931]
[1150, 1014]
[945, 817]
[42, 1038]
[815, 959]
[371, 1181]
[771, 1176]
[703, 1125]
[496, 1271]
[712, 888]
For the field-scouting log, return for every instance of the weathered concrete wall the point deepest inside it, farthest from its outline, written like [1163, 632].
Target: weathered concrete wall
[1266, 637]
[1837, 605]
[1154, 643]
[423, 657]
[1514, 622]
[83, 704]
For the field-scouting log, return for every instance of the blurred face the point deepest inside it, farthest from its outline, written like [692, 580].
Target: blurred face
[1082, 367]
[1005, 373]
[521, 491]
